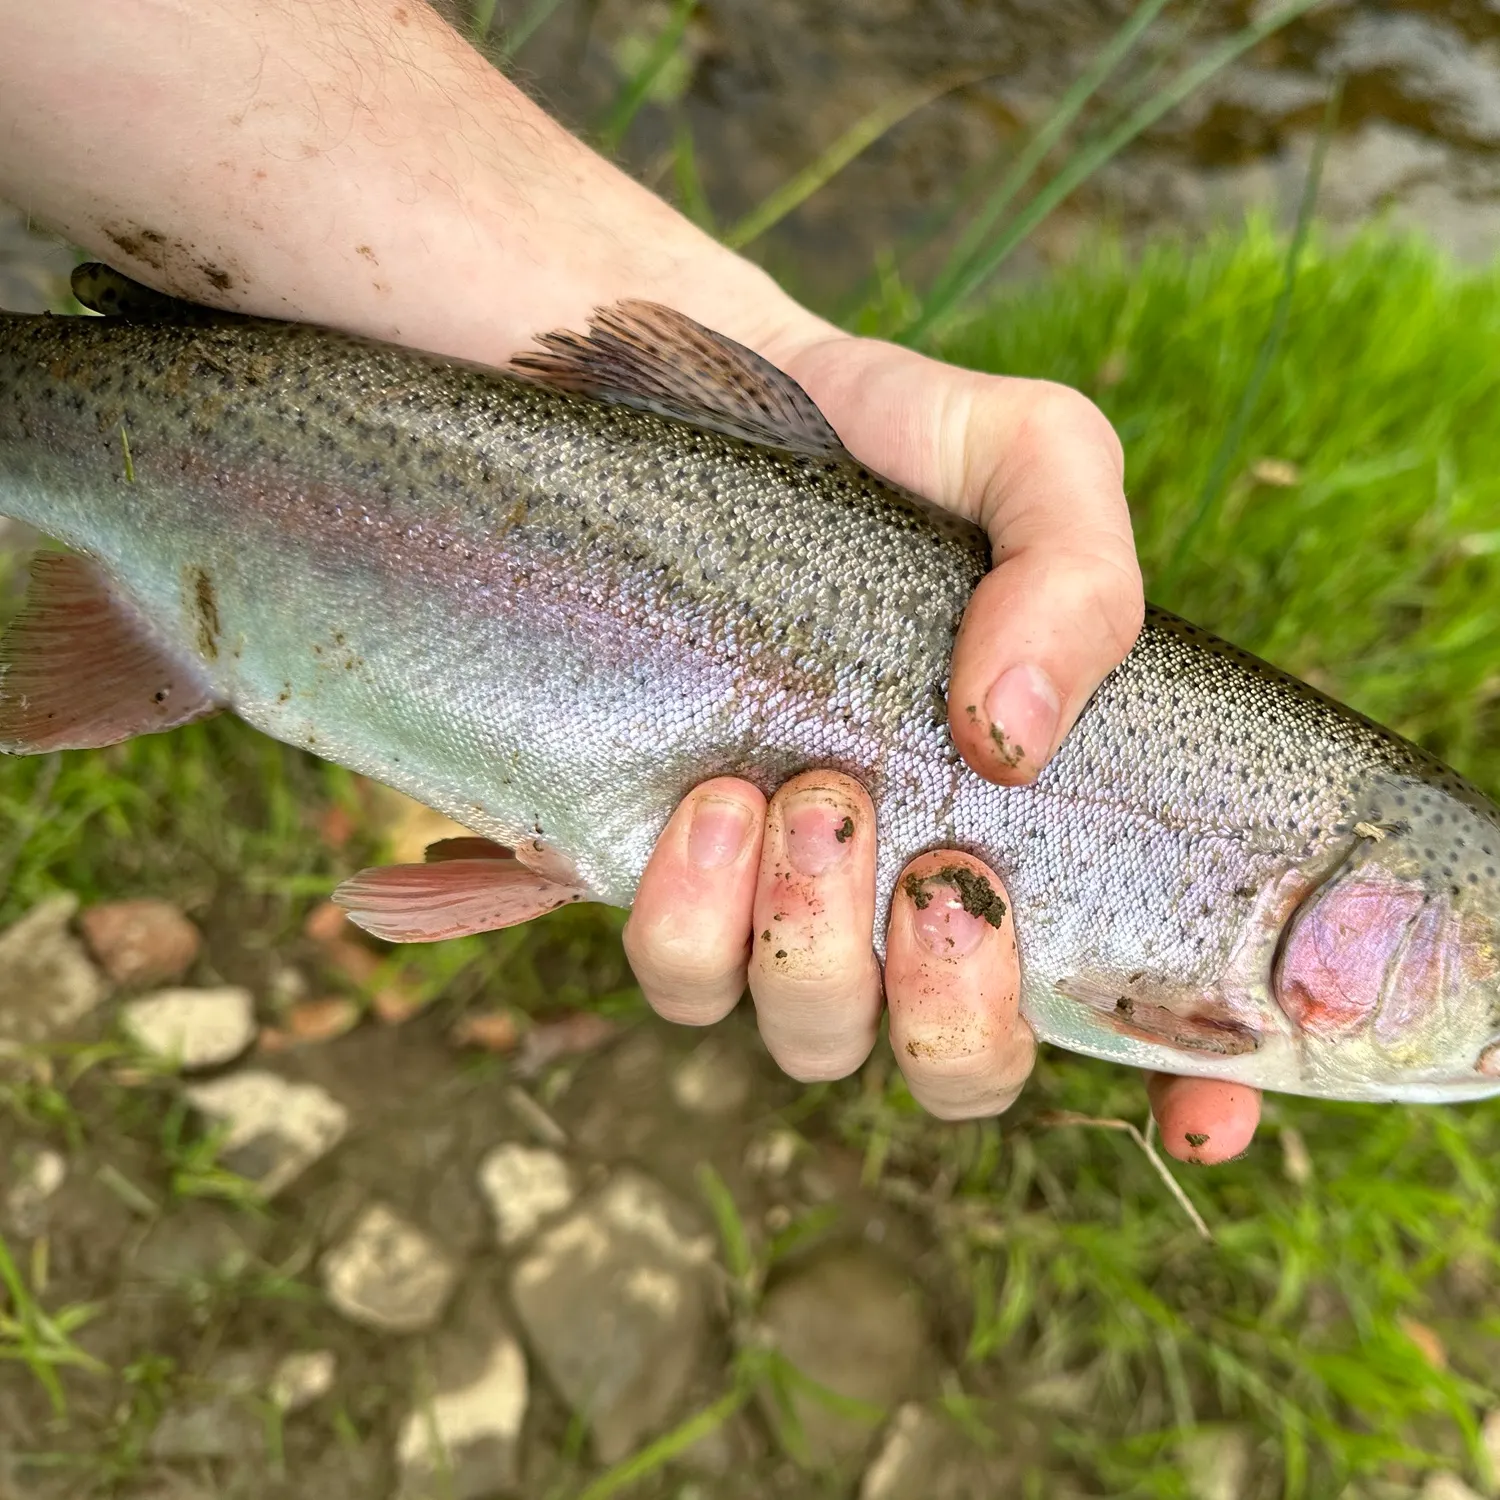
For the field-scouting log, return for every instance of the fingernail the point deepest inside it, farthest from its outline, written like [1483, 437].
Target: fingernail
[1023, 708]
[717, 833]
[818, 834]
[940, 920]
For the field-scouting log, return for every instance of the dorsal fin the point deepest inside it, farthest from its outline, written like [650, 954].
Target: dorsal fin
[102, 289]
[648, 356]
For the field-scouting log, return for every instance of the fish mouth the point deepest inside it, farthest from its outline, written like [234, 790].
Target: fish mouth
[1380, 960]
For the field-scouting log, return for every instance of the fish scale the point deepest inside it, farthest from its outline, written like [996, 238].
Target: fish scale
[549, 613]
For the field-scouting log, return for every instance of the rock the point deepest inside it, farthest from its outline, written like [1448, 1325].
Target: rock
[197, 1242]
[1435, 63]
[223, 1420]
[615, 1301]
[225, 1427]
[1489, 1439]
[140, 942]
[1216, 1462]
[714, 1079]
[852, 1324]
[47, 982]
[277, 1129]
[321, 1020]
[300, 1379]
[1446, 1486]
[192, 1029]
[771, 1155]
[387, 1274]
[524, 1185]
[36, 1180]
[462, 1440]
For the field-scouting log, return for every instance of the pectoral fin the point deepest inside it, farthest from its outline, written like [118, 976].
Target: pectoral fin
[450, 898]
[81, 668]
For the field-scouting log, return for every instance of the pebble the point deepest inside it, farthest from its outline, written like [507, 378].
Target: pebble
[192, 1029]
[47, 981]
[771, 1155]
[713, 1079]
[1489, 1439]
[853, 1324]
[277, 1129]
[222, 1419]
[1447, 1486]
[300, 1379]
[462, 1442]
[26, 1199]
[1216, 1462]
[321, 1020]
[524, 1185]
[141, 942]
[387, 1274]
[615, 1303]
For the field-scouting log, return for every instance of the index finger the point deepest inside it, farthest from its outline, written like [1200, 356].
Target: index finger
[1040, 468]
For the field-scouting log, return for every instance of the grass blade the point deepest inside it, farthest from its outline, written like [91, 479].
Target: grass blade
[1068, 107]
[628, 104]
[691, 198]
[523, 30]
[654, 1455]
[859, 137]
[482, 19]
[1084, 163]
[1228, 450]
[1071, 1117]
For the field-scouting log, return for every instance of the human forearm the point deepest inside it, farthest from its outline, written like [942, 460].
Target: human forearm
[352, 162]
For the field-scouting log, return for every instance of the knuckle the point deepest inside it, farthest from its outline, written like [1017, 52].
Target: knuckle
[679, 963]
[1055, 408]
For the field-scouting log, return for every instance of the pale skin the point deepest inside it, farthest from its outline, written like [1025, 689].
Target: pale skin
[355, 163]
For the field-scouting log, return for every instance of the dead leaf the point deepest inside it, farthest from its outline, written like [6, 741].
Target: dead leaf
[321, 1020]
[1429, 1345]
[1278, 473]
[491, 1031]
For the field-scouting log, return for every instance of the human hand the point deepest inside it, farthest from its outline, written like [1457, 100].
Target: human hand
[1039, 467]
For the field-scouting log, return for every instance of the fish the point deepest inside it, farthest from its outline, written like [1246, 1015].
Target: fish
[549, 600]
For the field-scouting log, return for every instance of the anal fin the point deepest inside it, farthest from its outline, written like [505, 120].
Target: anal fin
[450, 897]
[80, 668]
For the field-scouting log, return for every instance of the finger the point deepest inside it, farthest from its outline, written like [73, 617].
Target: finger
[688, 934]
[813, 974]
[1040, 468]
[1063, 604]
[1203, 1121]
[953, 985]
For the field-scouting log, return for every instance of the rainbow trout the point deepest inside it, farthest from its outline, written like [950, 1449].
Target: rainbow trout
[549, 601]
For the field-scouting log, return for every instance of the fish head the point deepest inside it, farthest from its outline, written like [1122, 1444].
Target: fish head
[1389, 968]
